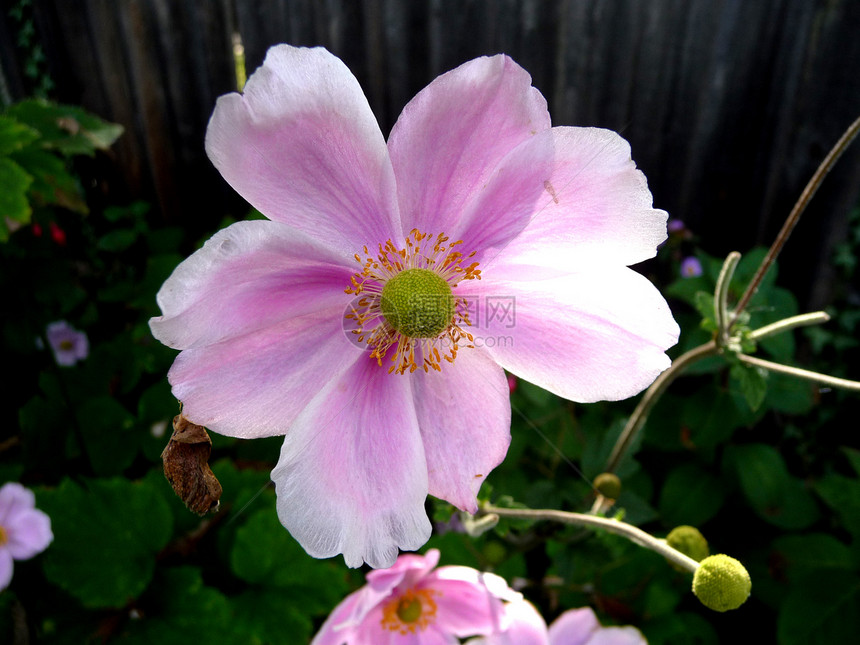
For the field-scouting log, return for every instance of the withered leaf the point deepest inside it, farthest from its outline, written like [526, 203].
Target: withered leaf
[186, 466]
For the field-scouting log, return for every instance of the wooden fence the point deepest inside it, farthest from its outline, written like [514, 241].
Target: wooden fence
[729, 105]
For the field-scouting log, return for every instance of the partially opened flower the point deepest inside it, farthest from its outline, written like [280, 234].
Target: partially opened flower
[371, 320]
[574, 627]
[67, 343]
[24, 529]
[412, 602]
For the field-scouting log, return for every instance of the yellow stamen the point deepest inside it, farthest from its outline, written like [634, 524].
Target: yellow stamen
[415, 347]
[411, 610]
[3, 537]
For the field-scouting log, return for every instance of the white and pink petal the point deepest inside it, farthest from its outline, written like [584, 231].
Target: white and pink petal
[352, 476]
[302, 146]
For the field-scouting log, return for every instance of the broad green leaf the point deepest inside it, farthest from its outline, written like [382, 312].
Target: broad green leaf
[52, 182]
[691, 496]
[68, 129]
[14, 135]
[106, 535]
[271, 616]
[684, 628]
[265, 554]
[180, 609]
[796, 556]
[14, 205]
[821, 609]
[108, 431]
[842, 494]
[772, 492]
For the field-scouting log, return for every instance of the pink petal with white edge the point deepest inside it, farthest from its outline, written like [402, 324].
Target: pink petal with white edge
[527, 627]
[248, 276]
[352, 477]
[590, 336]
[29, 534]
[302, 146]
[449, 139]
[616, 636]
[256, 385]
[574, 627]
[464, 414]
[7, 568]
[467, 601]
[595, 206]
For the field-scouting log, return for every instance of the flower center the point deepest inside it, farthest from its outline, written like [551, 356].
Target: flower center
[66, 345]
[418, 303]
[405, 299]
[414, 609]
[3, 537]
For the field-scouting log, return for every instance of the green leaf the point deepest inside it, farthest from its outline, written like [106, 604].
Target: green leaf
[821, 609]
[684, 628]
[272, 616]
[68, 129]
[108, 431]
[117, 240]
[181, 609]
[773, 494]
[691, 496]
[106, 535]
[14, 205]
[752, 381]
[704, 303]
[14, 135]
[265, 554]
[797, 556]
[842, 494]
[52, 182]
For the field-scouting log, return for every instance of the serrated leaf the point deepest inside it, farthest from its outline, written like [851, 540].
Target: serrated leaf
[106, 535]
[752, 381]
[704, 303]
[14, 205]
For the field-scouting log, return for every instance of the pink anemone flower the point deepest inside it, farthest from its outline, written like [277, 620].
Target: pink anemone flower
[574, 627]
[24, 529]
[371, 319]
[413, 603]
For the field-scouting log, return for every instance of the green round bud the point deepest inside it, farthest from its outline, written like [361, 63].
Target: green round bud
[418, 303]
[608, 485]
[721, 583]
[689, 541]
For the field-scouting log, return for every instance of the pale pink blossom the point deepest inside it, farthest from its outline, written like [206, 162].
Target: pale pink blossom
[67, 343]
[24, 529]
[574, 627]
[522, 234]
[413, 603]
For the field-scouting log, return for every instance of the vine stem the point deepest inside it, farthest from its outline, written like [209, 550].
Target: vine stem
[797, 211]
[617, 527]
[651, 396]
[824, 379]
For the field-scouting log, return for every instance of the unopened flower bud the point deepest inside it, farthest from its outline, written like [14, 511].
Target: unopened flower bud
[689, 541]
[608, 485]
[721, 583]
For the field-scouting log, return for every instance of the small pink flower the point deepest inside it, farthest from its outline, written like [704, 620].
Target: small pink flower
[57, 234]
[371, 320]
[68, 344]
[413, 603]
[574, 627]
[691, 268]
[24, 530]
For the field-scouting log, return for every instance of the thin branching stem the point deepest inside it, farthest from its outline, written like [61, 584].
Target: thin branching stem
[803, 320]
[632, 533]
[824, 379]
[797, 211]
[722, 316]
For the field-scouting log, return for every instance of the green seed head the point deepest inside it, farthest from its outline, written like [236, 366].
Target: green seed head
[608, 485]
[721, 583]
[689, 541]
[418, 303]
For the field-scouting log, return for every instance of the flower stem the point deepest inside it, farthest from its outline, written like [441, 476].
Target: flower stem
[824, 379]
[722, 317]
[797, 211]
[617, 527]
[803, 320]
[652, 395]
